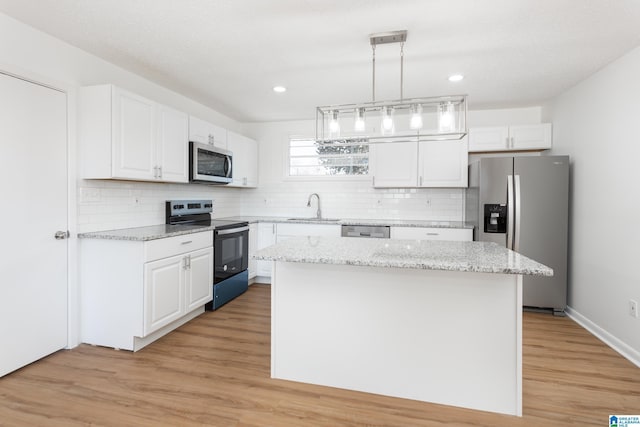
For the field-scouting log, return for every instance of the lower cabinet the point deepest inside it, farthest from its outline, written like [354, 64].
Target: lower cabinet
[266, 237]
[134, 292]
[432, 233]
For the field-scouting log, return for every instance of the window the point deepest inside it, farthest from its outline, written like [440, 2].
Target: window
[308, 158]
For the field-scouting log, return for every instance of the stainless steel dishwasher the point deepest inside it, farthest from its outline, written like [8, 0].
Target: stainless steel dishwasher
[369, 231]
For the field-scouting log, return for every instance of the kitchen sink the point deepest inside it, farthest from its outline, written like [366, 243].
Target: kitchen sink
[307, 219]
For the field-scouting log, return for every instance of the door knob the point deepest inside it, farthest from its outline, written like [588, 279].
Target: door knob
[61, 235]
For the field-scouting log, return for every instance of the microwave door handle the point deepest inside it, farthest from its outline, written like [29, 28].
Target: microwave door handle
[227, 166]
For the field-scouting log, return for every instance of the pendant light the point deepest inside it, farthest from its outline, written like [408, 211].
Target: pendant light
[414, 119]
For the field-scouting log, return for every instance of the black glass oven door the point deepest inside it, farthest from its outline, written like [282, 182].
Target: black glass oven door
[231, 252]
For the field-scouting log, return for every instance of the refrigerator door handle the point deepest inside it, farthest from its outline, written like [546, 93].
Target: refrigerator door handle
[516, 239]
[510, 211]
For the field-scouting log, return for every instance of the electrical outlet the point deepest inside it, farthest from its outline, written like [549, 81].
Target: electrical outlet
[633, 308]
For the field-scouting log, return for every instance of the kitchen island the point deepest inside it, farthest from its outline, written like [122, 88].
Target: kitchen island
[436, 321]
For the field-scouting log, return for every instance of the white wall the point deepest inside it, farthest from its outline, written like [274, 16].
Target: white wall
[596, 123]
[354, 198]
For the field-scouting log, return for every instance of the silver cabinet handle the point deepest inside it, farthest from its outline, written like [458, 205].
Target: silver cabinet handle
[155, 171]
[374, 181]
[421, 181]
[433, 234]
[160, 172]
[187, 262]
[61, 235]
[507, 142]
[187, 242]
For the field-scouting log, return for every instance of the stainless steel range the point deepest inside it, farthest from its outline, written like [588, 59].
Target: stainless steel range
[230, 247]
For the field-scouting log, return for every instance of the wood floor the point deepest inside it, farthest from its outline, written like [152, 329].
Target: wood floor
[215, 371]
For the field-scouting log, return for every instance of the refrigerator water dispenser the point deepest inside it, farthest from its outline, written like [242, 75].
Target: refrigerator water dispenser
[495, 218]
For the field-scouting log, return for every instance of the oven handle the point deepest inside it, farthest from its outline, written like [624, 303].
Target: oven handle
[232, 230]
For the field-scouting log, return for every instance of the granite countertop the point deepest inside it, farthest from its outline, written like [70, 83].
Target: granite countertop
[480, 257]
[353, 221]
[142, 234]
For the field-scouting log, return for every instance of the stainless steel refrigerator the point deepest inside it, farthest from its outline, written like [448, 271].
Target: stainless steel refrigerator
[523, 204]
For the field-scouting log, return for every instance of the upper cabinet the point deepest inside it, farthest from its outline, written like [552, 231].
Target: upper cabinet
[125, 136]
[443, 163]
[394, 164]
[424, 164]
[207, 133]
[245, 160]
[510, 138]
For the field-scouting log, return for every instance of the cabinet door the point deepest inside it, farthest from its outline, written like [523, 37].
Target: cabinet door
[266, 237]
[443, 164]
[286, 231]
[134, 136]
[199, 280]
[207, 133]
[431, 233]
[489, 138]
[394, 164]
[253, 247]
[245, 160]
[163, 292]
[173, 145]
[198, 130]
[530, 137]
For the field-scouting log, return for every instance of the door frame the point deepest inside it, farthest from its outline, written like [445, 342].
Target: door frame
[73, 288]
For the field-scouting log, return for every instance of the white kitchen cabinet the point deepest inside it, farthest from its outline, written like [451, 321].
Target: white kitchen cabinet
[173, 152]
[266, 237]
[394, 164]
[253, 247]
[424, 164]
[432, 233]
[134, 292]
[289, 230]
[245, 160]
[510, 138]
[443, 163]
[126, 136]
[207, 133]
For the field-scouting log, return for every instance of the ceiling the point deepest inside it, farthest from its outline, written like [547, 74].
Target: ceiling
[228, 54]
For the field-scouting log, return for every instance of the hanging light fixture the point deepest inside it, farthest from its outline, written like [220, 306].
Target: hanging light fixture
[415, 119]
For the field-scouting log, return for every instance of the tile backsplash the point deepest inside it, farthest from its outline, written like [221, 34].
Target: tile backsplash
[105, 204]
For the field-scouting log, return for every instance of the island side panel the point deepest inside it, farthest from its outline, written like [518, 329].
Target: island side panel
[438, 336]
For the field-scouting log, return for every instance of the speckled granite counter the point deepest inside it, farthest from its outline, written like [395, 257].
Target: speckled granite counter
[354, 221]
[152, 232]
[480, 257]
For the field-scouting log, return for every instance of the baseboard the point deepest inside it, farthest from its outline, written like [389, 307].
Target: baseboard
[616, 344]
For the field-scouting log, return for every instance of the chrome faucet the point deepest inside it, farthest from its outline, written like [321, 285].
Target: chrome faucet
[318, 213]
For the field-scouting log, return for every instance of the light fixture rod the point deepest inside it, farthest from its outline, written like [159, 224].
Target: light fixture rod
[401, 70]
[373, 95]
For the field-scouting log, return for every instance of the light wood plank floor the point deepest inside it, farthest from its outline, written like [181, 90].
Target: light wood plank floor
[215, 371]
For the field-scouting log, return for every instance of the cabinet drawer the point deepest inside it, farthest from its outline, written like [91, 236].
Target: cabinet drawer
[290, 230]
[163, 248]
[423, 233]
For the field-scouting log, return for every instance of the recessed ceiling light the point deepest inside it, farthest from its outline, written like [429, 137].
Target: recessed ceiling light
[279, 89]
[456, 77]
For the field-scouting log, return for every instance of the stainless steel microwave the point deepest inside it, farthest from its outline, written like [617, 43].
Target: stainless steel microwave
[209, 164]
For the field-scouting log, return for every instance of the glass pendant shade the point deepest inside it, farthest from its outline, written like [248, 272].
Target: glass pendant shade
[359, 123]
[388, 127]
[415, 122]
[334, 125]
[446, 117]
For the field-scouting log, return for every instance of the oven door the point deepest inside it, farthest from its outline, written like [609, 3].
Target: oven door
[231, 252]
[209, 164]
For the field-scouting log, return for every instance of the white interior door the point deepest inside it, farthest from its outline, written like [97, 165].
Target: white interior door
[33, 264]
